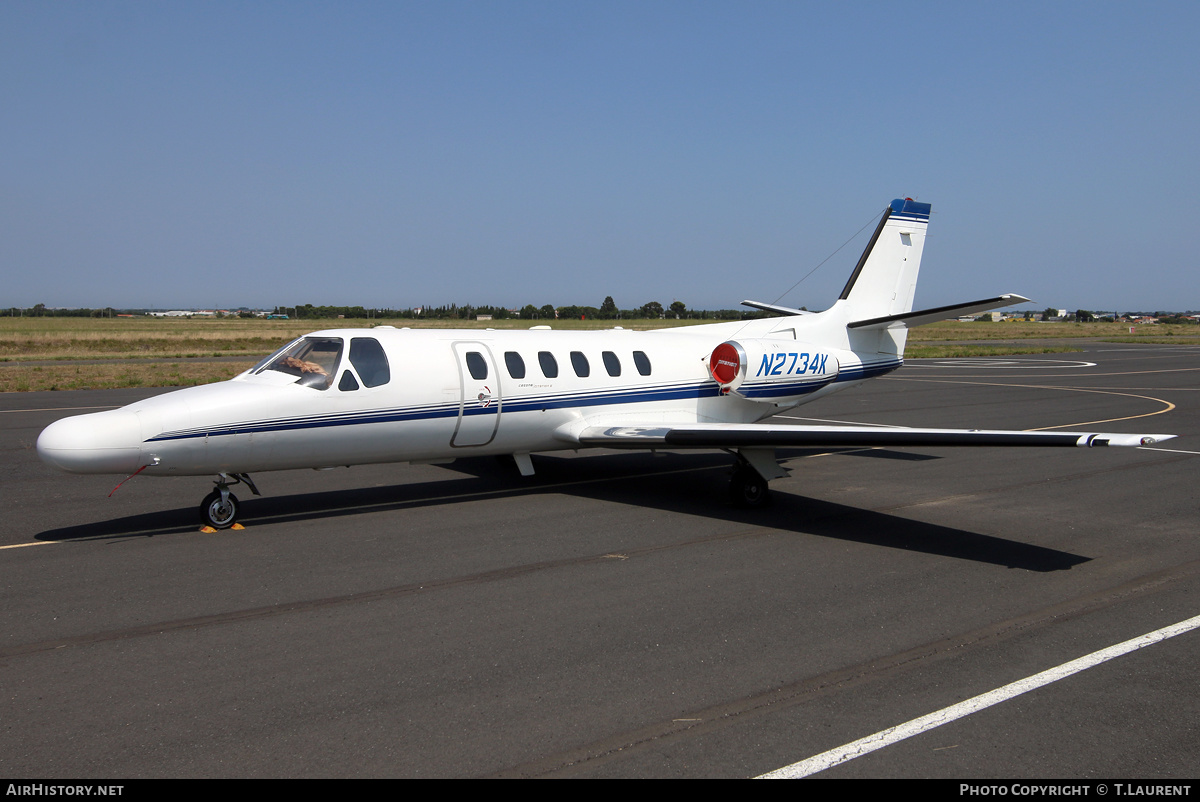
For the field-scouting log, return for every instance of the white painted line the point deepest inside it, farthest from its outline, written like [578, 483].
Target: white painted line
[994, 363]
[848, 422]
[1170, 450]
[385, 505]
[917, 726]
[58, 409]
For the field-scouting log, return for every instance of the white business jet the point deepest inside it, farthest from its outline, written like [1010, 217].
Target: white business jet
[360, 396]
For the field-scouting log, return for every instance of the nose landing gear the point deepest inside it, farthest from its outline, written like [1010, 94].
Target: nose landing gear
[220, 508]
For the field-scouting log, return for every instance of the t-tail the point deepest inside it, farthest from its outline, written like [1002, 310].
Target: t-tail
[877, 302]
[885, 279]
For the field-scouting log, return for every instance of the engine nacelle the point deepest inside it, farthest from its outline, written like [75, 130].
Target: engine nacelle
[777, 371]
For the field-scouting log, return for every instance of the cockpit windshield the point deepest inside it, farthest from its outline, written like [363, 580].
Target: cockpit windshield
[312, 359]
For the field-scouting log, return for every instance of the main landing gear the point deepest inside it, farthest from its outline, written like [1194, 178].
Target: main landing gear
[748, 482]
[220, 508]
[747, 488]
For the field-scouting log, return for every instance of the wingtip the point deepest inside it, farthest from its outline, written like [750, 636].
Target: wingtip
[1125, 440]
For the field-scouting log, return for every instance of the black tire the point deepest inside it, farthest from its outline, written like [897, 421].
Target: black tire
[748, 489]
[219, 515]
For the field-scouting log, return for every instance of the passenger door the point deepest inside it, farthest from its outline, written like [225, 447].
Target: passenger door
[479, 407]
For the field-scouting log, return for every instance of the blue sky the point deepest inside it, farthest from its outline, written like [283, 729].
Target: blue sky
[399, 154]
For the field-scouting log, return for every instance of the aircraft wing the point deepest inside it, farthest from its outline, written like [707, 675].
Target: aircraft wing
[760, 435]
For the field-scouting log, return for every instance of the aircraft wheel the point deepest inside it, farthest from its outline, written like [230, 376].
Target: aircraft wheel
[217, 513]
[748, 489]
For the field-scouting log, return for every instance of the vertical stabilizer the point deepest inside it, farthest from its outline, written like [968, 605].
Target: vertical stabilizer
[885, 279]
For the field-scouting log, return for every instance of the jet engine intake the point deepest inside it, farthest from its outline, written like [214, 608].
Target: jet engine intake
[779, 371]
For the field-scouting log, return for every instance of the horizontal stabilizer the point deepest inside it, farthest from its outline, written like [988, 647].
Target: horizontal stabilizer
[747, 435]
[921, 317]
[781, 310]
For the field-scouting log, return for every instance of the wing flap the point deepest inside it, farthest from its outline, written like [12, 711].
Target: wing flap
[751, 435]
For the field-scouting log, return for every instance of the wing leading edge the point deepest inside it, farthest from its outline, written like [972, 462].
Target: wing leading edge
[757, 435]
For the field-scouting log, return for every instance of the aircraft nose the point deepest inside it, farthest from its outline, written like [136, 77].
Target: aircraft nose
[103, 442]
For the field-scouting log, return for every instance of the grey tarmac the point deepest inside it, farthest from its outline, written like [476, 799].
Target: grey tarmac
[613, 616]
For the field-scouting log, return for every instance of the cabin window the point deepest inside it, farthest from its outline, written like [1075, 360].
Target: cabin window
[549, 364]
[312, 359]
[368, 358]
[611, 363]
[477, 365]
[642, 362]
[580, 363]
[348, 382]
[515, 364]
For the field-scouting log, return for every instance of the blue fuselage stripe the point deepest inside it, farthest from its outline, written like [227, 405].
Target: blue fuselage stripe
[707, 389]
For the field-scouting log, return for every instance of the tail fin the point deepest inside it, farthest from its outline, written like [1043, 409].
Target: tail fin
[885, 279]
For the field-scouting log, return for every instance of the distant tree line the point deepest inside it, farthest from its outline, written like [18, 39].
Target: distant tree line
[40, 310]
[607, 310]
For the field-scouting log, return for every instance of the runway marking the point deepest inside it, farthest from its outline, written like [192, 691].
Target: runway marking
[1143, 349]
[1143, 389]
[1172, 450]
[483, 494]
[1052, 376]
[658, 736]
[863, 746]
[424, 500]
[60, 409]
[996, 363]
[849, 422]
[1168, 406]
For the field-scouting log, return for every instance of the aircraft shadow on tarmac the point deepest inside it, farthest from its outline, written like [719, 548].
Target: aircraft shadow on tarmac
[691, 484]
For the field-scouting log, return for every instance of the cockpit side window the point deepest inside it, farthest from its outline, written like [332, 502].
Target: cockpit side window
[312, 359]
[369, 359]
[267, 360]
